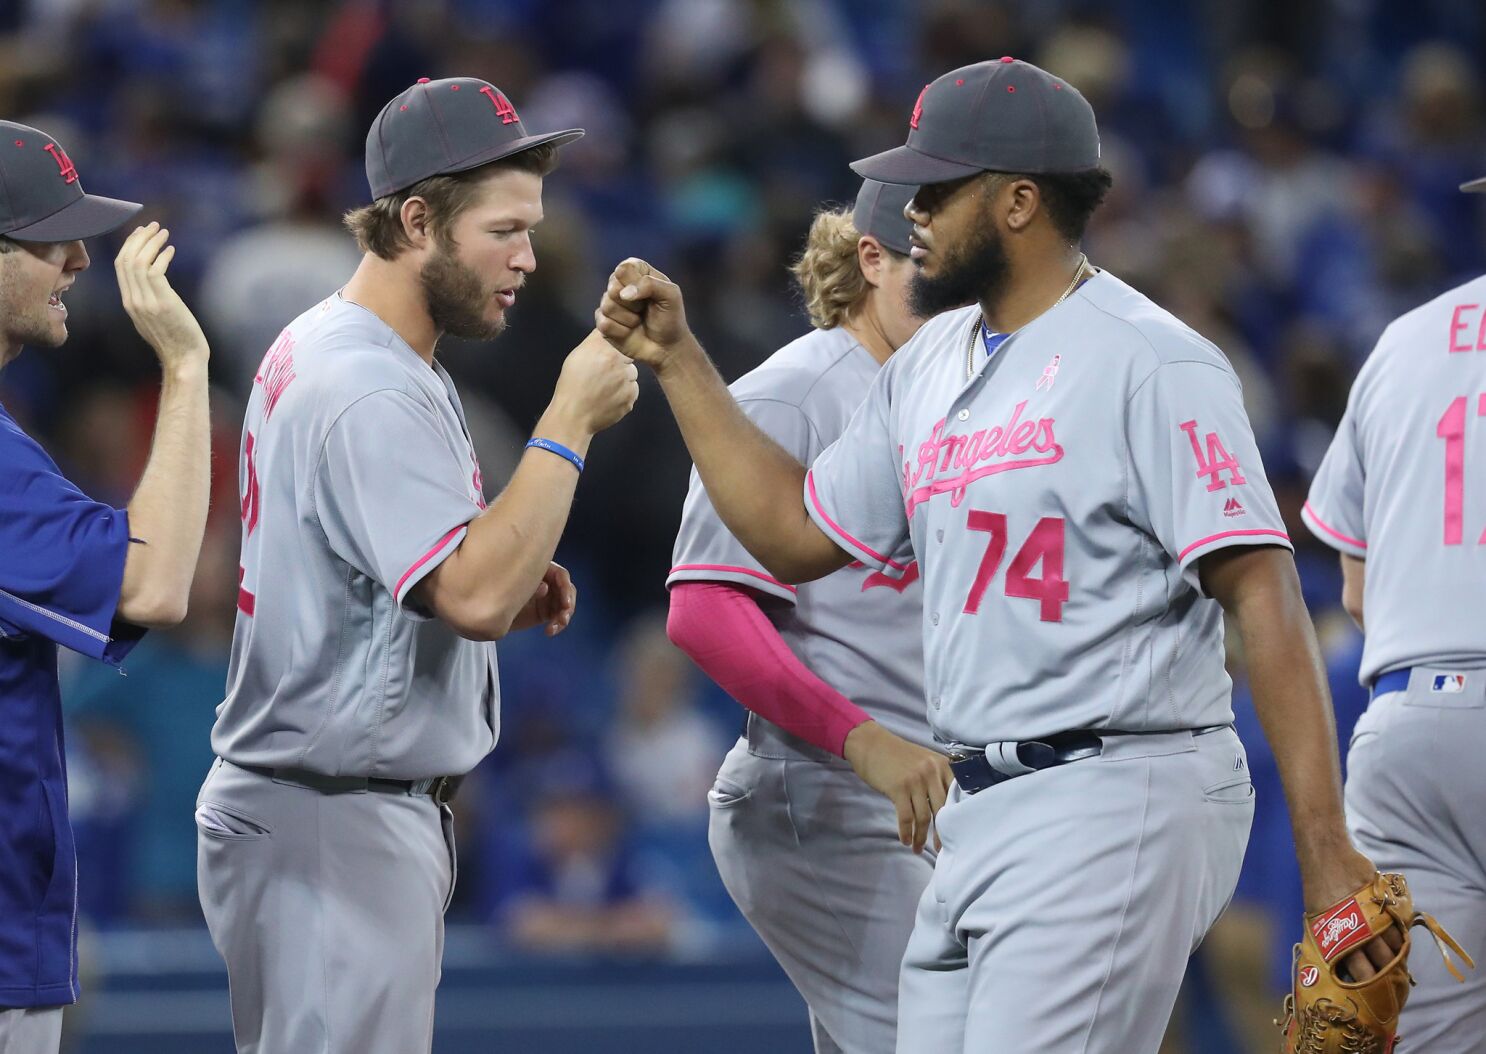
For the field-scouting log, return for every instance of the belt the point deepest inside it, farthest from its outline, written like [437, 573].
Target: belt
[1392, 681]
[975, 770]
[440, 788]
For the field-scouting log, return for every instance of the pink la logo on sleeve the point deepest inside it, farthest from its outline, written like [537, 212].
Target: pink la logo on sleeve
[1217, 459]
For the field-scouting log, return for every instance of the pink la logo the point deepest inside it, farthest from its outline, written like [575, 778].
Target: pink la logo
[918, 108]
[1215, 460]
[1309, 976]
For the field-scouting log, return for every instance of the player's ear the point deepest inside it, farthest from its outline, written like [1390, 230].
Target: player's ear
[1021, 201]
[415, 222]
[870, 258]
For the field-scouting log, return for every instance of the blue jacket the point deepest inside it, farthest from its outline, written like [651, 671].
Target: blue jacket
[61, 566]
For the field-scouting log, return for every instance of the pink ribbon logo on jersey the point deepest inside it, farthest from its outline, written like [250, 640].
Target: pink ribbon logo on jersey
[1049, 374]
[1003, 445]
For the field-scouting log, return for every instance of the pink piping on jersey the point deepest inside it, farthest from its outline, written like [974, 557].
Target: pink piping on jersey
[734, 571]
[1310, 511]
[1229, 534]
[874, 554]
[424, 559]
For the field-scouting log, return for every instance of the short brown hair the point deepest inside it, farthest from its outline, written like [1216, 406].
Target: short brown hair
[828, 272]
[378, 226]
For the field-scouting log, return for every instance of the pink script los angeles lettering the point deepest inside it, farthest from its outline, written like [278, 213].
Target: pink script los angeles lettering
[950, 463]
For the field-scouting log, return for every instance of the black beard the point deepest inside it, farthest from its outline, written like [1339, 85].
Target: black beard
[456, 298]
[977, 273]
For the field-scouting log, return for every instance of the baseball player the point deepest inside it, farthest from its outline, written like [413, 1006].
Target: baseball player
[362, 682]
[73, 572]
[1073, 471]
[831, 672]
[1392, 497]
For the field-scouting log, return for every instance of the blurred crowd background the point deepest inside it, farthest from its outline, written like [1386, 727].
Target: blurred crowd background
[1285, 182]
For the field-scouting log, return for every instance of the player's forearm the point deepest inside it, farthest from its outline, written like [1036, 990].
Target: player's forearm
[755, 485]
[487, 581]
[1288, 680]
[168, 511]
[725, 633]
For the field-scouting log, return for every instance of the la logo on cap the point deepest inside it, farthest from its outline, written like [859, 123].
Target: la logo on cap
[69, 170]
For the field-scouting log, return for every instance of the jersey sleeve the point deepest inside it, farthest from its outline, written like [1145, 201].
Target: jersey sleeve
[392, 497]
[62, 555]
[706, 550]
[853, 490]
[1196, 480]
[1333, 509]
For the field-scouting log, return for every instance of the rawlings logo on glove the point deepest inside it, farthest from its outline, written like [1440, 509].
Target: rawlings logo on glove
[1326, 1013]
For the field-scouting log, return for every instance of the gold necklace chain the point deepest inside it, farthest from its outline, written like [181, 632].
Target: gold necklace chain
[975, 330]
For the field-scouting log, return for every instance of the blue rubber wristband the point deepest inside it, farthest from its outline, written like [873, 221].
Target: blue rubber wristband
[558, 449]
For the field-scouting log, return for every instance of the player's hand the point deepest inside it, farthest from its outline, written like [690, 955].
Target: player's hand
[553, 603]
[642, 314]
[159, 314]
[597, 387]
[914, 778]
[1334, 881]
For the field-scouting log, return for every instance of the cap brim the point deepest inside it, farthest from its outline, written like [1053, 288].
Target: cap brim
[87, 217]
[1475, 186]
[905, 165]
[516, 146]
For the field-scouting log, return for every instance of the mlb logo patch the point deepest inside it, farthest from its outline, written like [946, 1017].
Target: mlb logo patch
[1448, 683]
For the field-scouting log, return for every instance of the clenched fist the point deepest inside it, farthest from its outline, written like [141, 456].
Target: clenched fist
[642, 314]
[157, 311]
[598, 385]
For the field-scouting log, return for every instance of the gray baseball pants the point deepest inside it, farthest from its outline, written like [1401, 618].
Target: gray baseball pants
[1065, 903]
[811, 856]
[31, 1030]
[1416, 785]
[328, 909]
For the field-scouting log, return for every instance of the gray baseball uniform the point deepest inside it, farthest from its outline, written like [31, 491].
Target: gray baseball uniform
[357, 480]
[1057, 503]
[1394, 491]
[808, 851]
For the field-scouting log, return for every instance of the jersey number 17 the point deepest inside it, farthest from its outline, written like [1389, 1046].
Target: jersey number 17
[1451, 429]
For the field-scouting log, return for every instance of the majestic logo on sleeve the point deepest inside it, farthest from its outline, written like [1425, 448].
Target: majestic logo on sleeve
[1215, 461]
[950, 463]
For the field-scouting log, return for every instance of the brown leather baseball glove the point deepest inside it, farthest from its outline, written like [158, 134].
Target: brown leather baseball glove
[1327, 1012]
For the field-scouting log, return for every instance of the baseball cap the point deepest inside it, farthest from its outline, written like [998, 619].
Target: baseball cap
[41, 196]
[1475, 186]
[997, 116]
[879, 212]
[449, 125]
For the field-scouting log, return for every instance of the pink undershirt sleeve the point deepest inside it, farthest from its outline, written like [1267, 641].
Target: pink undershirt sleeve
[723, 630]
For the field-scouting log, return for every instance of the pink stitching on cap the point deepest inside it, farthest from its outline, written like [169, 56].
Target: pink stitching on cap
[1007, 58]
[1229, 534]
[1309, 510]
[874, 554]
[422, 80]
[733, 570]
[397, 591]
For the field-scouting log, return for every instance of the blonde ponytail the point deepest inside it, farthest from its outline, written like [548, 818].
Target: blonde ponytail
[827, 271]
